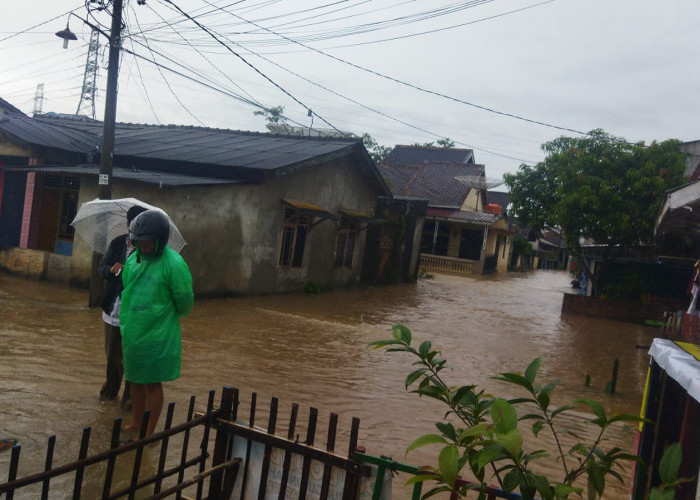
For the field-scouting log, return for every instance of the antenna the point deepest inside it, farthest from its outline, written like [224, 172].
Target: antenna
[481, 183]
[86, 105]
[38, 99]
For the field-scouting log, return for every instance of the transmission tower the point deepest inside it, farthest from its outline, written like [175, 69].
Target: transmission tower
[38, 99]
[86, 106]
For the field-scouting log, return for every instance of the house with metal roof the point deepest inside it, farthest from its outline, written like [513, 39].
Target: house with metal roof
[463, 233]
[261, 213]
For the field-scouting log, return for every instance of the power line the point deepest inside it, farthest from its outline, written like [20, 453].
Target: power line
[250, 65]
[37, 25]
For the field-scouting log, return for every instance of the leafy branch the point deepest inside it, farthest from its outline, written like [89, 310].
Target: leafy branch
[488, 435]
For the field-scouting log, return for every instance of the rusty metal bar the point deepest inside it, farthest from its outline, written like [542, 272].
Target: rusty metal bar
[164, 447]
[352, 479]
[265, 470]
[204, 445]
[199, 478]
[14, 483]
[78, 483]
[220, 447]
[288, 454]
[114, 443]
[306, 464]
[185, 445]
[246, 465]
[330, 447]
[47, 466]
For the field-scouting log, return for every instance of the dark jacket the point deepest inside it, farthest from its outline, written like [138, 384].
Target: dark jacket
[113, 287]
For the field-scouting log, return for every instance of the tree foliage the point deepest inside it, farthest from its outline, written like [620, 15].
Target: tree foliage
[272, 115]
[598, 187]
[375, 150]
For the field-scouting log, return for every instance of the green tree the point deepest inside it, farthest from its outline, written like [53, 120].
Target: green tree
[599, 187]
[272, 115]
[441, 143]
[375, 150]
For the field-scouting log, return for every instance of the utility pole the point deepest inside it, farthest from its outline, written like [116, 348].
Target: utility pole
[104, 185]
[38, 99]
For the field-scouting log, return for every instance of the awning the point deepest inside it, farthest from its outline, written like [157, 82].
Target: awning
[680, 361]
[310, 209]
[360, 216]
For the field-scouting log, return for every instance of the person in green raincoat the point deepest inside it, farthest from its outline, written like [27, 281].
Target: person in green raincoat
[157, 293]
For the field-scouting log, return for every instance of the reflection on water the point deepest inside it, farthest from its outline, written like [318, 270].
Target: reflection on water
[312, 350]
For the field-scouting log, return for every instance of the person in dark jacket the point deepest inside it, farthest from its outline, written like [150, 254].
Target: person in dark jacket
[110, 268]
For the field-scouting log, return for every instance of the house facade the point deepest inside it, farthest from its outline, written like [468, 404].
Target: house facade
[261, 213]
[463, 233]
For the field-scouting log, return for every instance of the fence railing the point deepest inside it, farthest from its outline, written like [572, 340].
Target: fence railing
[439, 263]
[247, 461]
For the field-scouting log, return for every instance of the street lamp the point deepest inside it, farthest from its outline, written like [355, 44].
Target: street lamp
[67, 35]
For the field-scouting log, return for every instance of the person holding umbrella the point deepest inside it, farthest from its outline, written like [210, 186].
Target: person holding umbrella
[110, 268]
[157, 293]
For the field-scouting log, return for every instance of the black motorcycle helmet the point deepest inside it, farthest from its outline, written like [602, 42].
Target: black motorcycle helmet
[151, 225]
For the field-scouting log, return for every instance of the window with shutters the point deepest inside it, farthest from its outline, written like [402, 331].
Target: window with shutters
[296, 227]
[345, 244]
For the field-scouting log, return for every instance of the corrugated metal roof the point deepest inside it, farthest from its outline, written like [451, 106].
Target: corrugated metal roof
[482, 218]
[432, 181]
[148, 176]
[499, 198]
[231, 148]
[417, 155]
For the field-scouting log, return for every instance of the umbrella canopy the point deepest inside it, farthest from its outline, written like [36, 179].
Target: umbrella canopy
[98, 222]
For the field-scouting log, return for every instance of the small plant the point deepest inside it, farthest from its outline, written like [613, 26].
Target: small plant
[424, 275]
[313, 287]
[481, 433]
[668, 472]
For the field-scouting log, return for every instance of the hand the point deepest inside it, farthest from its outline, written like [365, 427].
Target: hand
[116, 268]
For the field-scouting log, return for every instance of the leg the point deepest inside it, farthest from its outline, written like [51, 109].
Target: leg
[154, 403]
[115, 369]
[138, 406]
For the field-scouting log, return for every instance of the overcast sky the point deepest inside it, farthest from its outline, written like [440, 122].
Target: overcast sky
[402, 71]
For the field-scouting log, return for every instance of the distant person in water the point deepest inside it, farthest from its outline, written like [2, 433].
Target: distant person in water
[110, 268]
[157, 293]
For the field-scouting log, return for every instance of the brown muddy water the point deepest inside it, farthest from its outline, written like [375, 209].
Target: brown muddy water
[312, 350]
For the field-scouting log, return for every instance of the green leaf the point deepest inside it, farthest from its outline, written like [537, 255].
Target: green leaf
[448, 464]
[476, 430]
[381, 343]
[426, 440]
[532, 369]
[563, 490]
[550, 387]
[514, 378]
[511, 441]
[424, 348]
[504, 416]
[535, 455]
[531, 416]
[561, 409]
[626, 418]
[447, 429]
[487, 455]
[413, 376]
[512, 480]
[402, 334]
[670, 463]
[537, 427]
[596, 478]
[543, 400]
[595, 406]
[435, 491]
[420, 478]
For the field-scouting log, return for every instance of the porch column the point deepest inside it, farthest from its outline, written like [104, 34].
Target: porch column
[27, 212]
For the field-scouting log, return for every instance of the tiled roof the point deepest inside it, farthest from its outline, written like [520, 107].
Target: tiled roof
[501, 199]
[417, 155]
[432, 181]
[196, 145]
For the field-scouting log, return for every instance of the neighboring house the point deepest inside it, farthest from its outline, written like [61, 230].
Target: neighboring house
[551, 249]
[462, 233]
[261, 213]
[692, 160]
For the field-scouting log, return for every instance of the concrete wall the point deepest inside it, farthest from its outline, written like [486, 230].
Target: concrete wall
[233, 231]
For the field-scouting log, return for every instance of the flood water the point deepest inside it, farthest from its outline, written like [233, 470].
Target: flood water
[312, 350]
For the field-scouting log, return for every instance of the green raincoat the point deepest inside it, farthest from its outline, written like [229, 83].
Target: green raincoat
[157, 292]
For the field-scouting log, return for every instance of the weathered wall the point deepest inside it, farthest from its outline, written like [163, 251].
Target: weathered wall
[632, 312]
[233, 231]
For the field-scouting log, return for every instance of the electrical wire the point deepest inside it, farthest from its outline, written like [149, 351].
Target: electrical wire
[37, 25]
[252, 66]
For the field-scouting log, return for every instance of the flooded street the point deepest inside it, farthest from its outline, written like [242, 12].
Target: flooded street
[312, 350]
